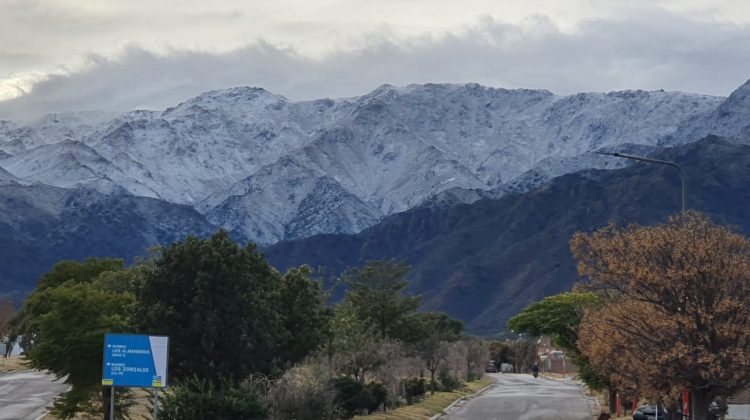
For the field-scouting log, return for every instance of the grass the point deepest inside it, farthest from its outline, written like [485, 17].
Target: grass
[12, 364]
[430, 405]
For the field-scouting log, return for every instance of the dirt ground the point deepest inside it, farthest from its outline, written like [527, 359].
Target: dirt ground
[12, 364]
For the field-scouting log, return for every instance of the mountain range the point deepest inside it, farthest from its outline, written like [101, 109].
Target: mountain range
[483, 262]
[314, 176]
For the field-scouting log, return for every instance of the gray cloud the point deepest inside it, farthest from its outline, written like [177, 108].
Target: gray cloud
[657, 51]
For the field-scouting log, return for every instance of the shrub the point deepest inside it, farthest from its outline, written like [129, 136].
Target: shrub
[447, 382]
[354, 398]
[414, 388]
[196, 399]
[373, 395]
[302, 394]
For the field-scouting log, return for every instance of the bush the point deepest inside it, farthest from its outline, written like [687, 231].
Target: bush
[302, 394]
[414, 389]
[447, 382]
[354, 398]
[196, 399]
[373, 396]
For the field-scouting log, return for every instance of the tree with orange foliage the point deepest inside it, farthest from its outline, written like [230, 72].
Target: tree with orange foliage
[678, 306]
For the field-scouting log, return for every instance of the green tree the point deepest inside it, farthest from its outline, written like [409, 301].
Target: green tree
[215, 300]
[559, 317]
[196, 399]
[303, 313]
[433, 332]
[78, 272]
[68, 315]
[376, 293]
[355, 348]
[556, 316]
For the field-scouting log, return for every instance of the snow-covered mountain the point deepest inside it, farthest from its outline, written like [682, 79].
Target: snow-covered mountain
[269, 169]
[730, 119]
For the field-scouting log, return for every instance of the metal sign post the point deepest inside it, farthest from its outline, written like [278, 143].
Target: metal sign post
[156, 402]
[112, 404]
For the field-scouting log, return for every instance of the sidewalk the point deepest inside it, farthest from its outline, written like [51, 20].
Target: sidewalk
[591, 400]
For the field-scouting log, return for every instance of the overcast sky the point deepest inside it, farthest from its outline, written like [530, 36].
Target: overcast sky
[66, 55]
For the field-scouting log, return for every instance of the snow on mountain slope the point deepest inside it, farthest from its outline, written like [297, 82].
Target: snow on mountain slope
[6, 176]
[268, 168]
[730, 119]
[70, 164]
[50, 129]
[205, 144]
[499, 134]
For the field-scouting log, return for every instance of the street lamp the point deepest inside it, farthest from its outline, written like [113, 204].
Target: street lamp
[682, 178]
[649, 160]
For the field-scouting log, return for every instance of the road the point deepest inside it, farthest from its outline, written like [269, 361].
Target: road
[522, 397]
[25, 394]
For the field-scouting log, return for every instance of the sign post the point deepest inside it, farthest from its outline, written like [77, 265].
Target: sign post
[138, 361]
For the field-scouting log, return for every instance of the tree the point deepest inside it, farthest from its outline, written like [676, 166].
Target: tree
[78, 272]
[7, 313]
[68, 315]
[303, 313]
[677, 311]
[196, 399]
[556, 316]
[435, 331]
[355, 347]
[376, 293]
[215, 300]
[477, 357]
[522, 354]
[559, 317]
[499, 353]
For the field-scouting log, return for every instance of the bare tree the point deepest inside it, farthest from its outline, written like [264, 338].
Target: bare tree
[7, 313]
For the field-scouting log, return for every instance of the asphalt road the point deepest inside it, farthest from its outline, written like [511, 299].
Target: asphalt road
[521, 397]
[26, 394]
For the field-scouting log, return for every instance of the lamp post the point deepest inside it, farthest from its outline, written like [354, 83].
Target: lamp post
[658, 161]
[682, 178]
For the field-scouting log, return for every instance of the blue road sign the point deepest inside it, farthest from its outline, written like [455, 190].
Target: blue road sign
[135, 360]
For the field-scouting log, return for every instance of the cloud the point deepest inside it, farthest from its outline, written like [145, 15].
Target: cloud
[655, 51]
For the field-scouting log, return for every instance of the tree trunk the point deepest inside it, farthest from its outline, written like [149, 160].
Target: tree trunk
[612, 399]
[700, 401]
[432, 381]
[723, 407]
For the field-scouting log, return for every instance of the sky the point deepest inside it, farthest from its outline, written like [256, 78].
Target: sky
[115, 55]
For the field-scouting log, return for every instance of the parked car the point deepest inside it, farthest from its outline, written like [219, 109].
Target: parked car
[648, 412]
[491, 368]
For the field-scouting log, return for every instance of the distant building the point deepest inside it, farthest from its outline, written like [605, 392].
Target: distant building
[739, 406]
[551, 359]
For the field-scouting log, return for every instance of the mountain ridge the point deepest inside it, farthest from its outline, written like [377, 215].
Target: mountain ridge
[482, 262]
[389, 150]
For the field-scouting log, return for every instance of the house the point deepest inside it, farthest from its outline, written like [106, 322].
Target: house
[551, 359]
[739, 406]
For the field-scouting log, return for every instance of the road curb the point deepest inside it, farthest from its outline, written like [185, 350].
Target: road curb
[464, 398]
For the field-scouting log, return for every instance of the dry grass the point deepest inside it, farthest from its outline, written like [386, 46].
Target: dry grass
[140, 411]
[12, 364]
[431, 405]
